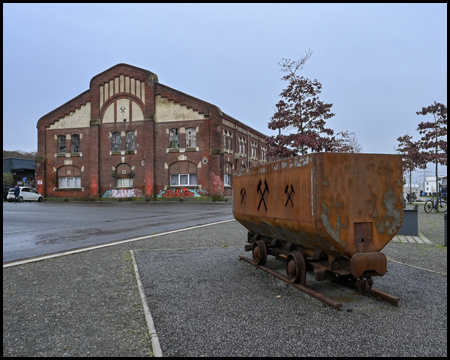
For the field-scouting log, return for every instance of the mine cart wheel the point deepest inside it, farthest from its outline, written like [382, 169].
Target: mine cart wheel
[296, 268]
[259, 252]
[364, 285]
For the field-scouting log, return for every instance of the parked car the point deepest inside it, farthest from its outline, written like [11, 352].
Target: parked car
[5, 192]
[26, 194]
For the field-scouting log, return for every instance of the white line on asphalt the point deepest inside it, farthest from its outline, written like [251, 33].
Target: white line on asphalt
[417, 267]
[156, 347]
[70, 252]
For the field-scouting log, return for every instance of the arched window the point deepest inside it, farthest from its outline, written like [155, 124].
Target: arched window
[69, 176]
[124, 177]
[129, 144]
[191, 138]
[116, 142]
[62, 143]
[183, 173]
[75, 143]
[173, 139]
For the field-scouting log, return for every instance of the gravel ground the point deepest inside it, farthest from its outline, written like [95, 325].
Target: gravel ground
[237, 310]
[87, 304]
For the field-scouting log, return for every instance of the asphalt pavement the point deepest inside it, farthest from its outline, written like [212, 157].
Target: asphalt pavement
[205, 302]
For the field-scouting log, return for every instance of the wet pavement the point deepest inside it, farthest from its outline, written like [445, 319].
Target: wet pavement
[205, 302]
[34, 229]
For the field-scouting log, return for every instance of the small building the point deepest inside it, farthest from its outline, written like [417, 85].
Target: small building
[23, 170]
[430, 184]
[128, 135]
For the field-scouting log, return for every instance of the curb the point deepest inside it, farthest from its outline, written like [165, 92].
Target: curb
[156, 347]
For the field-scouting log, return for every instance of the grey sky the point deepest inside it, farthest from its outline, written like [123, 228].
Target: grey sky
[378, 63]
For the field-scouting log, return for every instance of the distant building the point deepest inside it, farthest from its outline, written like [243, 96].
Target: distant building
[128, 135]
[21, 169]
[430, 184]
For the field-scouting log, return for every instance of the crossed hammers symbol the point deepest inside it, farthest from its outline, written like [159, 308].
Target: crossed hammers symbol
[266, 188]
[286, 191]
[243, 193]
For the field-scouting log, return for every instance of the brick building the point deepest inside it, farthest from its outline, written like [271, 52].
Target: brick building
[130, 136]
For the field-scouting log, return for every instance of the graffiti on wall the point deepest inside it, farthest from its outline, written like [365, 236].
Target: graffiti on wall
[123, 193]
[181, 193]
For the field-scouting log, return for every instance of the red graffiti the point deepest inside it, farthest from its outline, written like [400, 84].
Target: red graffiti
[178, 193]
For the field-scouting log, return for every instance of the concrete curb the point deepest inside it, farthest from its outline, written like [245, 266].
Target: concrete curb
[156, 347]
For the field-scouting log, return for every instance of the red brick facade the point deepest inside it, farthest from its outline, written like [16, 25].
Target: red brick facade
[130, 136]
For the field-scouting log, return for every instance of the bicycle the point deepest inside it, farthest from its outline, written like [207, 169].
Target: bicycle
[411, 198]
[439, 205]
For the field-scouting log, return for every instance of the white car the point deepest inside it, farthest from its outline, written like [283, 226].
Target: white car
[26, 194]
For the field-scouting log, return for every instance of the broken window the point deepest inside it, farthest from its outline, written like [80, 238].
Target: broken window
[191, 141]
[116, 141]
[129, 145]
[62, 143]
[75, 147]
[173, 139]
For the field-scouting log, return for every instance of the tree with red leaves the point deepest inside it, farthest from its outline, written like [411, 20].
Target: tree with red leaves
[412, 157]
[301, 110]
[433, 143]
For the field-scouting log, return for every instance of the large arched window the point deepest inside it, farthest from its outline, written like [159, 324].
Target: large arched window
[124, 177]
[69, 176]
[183, 173]
[75, 143]
[62, 143]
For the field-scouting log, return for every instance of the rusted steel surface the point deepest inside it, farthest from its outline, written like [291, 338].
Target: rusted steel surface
[326, 300]
[336, 202]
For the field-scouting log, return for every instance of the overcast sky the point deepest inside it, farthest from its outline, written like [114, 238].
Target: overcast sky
[378, 63]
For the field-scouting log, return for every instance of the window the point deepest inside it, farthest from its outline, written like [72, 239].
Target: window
[75, 147]
[227, 174]
[129, 143]
[183, 173]
[116, 141]
[173, 139]
[69, 182]
[69, 177]
[62, 143]
[191, 141]
[125, 182]
[124, 176]
[183, 179]
[229, 143]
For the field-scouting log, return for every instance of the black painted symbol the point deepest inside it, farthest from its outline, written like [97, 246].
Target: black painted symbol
[243, 195]
[122, 109]
[266, 188]
[289, 193]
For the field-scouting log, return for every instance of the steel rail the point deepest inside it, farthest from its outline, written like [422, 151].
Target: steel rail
[326, 300]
